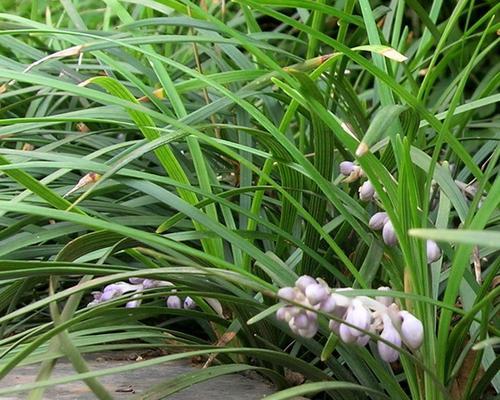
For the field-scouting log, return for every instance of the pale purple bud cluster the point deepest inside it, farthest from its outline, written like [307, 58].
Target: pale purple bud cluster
[137, 285]
[310, 293]
[112, 291]
[351, 171]
[381, 221]
[378, 220]
[380, 316]
[173, 301]
[359, 316]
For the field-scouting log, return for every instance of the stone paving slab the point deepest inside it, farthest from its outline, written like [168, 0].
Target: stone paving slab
[127, 385]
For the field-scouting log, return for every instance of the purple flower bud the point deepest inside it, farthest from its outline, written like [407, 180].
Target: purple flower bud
[136, 281]
[346, 335]
[385, 300]
[149, 283]
[282, 314]
[189, 303]
[362, 340]
[366, 191]
[301, 321]
[304, 281]
[293, 310]
[292, 326]
[346, 167]
[390, 334]
[334, 326]
[309, 332]
[341, 300]
[378, 220]
[110, 292]
[311, 315]
[412, 330]
[153, 283]
[389, 235]
[133, 304]
[97, 299]
[174, 302]
[316, 293]
[328, 305]
[433, 251]
[117, 289]
[359, 316]
[287, 293]
[97, 295]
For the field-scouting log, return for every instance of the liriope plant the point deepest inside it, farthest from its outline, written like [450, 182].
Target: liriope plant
[240, 181]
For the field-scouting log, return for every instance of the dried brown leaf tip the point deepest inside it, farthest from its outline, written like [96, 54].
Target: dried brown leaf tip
[158, 93]
[222, 342]
[28, 147]
[362, 149]
[89, 179]
[82, 128]
[71, 51]
[423, 72]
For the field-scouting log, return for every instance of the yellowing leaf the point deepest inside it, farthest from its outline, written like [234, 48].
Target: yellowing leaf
[394, 55]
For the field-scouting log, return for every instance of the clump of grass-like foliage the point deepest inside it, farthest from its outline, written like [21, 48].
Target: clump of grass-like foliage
[198, 145]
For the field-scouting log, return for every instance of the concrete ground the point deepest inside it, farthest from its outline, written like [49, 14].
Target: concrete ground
[130, 384]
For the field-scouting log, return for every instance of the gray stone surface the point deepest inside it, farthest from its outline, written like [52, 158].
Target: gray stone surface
[128, 385]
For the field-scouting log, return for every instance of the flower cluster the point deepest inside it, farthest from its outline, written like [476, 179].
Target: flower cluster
[353, 172]
[310, 293]
[138, 285]
[380, 221]
[114, 290]
[360, 315]
[175, 302]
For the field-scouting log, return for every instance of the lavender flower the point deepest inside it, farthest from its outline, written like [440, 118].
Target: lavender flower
[366, 191]
[359, 316]
[412, 330]
[287, 293]
[363, 340]
[351, 171]
[387, 353]
[389, 235]
[304, 281]
[346, 335]
[174, 302]
[134, 303]
[385, 300]
[117, 289]
[378, 220]
[189, 303]
[328, 305]
[316, 293]
[346, 168]
[433, 251]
